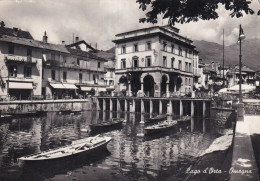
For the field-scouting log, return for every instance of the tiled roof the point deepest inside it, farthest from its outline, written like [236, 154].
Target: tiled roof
[105, 55]
[34, 43]
[84, 54]
[80, 42]
[20, 33]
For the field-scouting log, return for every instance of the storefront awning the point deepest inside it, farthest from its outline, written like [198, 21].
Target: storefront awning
[57, 86]
[85, 88]
[99, 89]
[20, 85]
[69, 86]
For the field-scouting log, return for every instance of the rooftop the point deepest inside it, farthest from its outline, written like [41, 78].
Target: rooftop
[15, 32]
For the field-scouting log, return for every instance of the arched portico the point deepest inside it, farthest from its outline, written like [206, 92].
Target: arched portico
[135, 84]
[148, 82]
[164, 85]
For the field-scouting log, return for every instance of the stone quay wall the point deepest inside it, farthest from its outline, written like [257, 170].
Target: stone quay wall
[45, 105]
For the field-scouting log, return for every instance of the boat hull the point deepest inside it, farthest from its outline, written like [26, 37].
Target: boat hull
[154, 120]
[104, 128]
[23, 163]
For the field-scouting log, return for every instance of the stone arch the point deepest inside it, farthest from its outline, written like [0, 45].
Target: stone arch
[179, 82]
[122, 83]
[148, 82]
[135, 84]
[164, 81]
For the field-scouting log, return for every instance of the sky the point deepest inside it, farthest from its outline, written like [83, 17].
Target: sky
[98, 21]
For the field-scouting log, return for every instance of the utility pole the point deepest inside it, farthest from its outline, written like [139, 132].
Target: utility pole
[223, 60]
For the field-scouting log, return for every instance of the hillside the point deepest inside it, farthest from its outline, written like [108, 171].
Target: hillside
[210, 51]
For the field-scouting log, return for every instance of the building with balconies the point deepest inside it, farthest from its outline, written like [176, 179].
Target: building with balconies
[20, 64]
[156, 61]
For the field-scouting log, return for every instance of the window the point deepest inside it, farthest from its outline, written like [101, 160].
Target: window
[27, 72]
[172, 49]
[135, 47]
[12, 70]
[95, 78]
[64, 59]
[164, 46]
[65, 76]
[80, 77]
[189, 81]
[180, 65]
[99, 64]
[148, 45]
[180, 51]
[123, 64]
[173, 60]
[135, 63]
[148, 61]
[29, 52]
[186, 53]
[10, 49]
[164, 61]
[111, 82]
[53, 74]
[123, 50]
[190, 67]
[186, 66]
[186, 81]
[78, 61]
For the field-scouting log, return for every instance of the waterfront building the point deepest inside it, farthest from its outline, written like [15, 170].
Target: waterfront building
[155, 61]
[248, 76]
[73, 72]
[20, 64]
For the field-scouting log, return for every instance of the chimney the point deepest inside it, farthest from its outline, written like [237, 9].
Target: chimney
[212, 65]
[76, 39]
[45, 38]
[15, 31]
[63, 42]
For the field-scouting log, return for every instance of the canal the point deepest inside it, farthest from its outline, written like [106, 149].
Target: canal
[129, 156]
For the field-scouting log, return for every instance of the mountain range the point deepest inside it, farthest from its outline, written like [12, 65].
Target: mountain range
[213, 52]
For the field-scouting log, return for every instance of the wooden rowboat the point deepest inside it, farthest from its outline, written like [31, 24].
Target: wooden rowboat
[78, 148]
[103, 126]
[157, 118]
[163, 126]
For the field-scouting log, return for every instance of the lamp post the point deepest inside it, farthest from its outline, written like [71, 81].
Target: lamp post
[240, 38]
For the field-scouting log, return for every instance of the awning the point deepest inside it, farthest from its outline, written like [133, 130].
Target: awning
[20, 85]
[69, 86]
[57, 86]
[85, 88]
[99, 89]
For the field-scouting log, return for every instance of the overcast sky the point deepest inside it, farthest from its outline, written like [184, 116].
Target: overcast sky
[97, 21]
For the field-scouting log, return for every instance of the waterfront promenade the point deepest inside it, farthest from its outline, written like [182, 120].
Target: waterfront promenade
[246, 149]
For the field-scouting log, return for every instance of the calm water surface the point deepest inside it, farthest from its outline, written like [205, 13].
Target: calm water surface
[155, 157]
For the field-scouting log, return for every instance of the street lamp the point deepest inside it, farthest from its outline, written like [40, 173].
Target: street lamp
[240, 38]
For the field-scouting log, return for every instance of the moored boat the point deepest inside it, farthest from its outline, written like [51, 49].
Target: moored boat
[116, 122]
[78, 148]
[162, 126]
[184, 119]
[157, 118]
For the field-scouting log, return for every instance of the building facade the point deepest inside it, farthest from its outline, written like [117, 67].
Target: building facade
[155, 61]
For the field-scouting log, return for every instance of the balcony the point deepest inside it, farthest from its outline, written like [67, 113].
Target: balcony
[19, 59]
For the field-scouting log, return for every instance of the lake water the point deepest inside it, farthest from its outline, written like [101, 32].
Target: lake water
[129, 156]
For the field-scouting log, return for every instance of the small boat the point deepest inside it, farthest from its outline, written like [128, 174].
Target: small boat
[78, 149]
[97, 127]
[162, 126]
[184, 119]
[157, 118]
[5, 117]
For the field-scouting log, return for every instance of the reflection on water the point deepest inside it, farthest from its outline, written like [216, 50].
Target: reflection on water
[156, 156]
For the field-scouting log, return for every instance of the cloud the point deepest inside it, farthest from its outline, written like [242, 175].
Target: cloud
[97, 21]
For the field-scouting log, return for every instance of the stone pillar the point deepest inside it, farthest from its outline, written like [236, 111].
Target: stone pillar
[167, 90]
[126, 105]
[132, 106]
[104, 104]
[129, 92]
[142, 107]
[240, 112]
[118, 107]
[192, 124]
[111, 104]
[151, 106]
[98, 105]
[203, 109]
[169, 108]
[142, 86]
[192, 109]
[160, 106]
[181, 108]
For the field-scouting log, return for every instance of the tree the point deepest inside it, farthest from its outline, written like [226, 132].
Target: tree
[184, 11]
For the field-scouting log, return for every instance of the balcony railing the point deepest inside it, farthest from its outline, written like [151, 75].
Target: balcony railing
[17, 58]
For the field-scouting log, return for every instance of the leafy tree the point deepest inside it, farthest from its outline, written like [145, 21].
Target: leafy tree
[184, 11]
